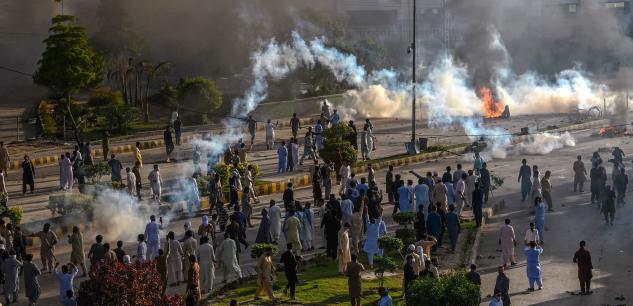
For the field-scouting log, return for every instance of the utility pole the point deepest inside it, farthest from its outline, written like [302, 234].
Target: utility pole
[412, 50]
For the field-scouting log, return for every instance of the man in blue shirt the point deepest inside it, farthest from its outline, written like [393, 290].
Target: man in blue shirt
[405, 197]
[66, 278]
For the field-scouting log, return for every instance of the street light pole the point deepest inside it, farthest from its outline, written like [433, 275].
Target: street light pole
[412, 48]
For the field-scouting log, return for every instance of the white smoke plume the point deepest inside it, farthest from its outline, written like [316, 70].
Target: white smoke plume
[541, 144]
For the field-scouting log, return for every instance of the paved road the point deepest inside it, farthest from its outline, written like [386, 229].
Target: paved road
[48, 180]
[574, 219]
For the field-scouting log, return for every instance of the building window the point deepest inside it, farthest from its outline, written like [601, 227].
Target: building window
[615, 4]
[571, 8]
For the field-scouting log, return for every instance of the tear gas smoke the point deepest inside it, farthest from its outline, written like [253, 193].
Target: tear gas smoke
[541, 144]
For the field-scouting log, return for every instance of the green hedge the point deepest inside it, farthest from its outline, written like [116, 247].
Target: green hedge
[225, 172]
[449, 290]
[68, 203]
[404, 218]
[259, 248]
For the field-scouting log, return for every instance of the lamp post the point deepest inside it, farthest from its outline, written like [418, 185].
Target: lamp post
[411, 50]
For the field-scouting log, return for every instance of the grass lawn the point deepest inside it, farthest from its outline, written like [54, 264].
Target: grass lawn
[320, 284]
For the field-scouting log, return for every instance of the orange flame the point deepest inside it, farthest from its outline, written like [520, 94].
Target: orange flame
[492, 108]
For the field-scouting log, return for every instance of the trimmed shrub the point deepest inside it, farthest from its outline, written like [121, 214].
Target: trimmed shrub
[225, 171]
[449, 290]
[390, 244]
[407, 236]
[404, 218]
[68, 203]
[259, 248]
[336, 138]
[15, 214]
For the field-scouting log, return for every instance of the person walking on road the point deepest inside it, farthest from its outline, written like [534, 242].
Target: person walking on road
[155, 182]
[546, 190]
[138, 158]
[11, 268]
[295, 125]
[525, 175]
[252, 127]
[608, 205]
[206, 257]
[136, 170]
[28, 175]
[152, 234]
[282, 155]
[582, 258]
[270, 134]
[508, 243]
[265, 274]
[539, 218]
[178, 130]
[453, 226]
[502, 286]
[115, 167]
[580, 174]
[620, 183]
[169, 143]
[533, 268]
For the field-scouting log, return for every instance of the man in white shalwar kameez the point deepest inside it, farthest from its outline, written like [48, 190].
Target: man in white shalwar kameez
[228, 259]
[131, 181]
[270, 135]
[345, 173]
[206, 257]
[507, 242]
[274, 215]
[155, 183]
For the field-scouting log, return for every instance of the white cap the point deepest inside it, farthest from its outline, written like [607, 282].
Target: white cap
[419, 249]
[411, 247]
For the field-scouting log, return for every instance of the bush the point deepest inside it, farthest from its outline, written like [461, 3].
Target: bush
[94, 172]
[203, 185]
[49, 125]
[15, 214]
[407, 236]
[404, 218]
[199, 95]
[121, 284]
[259, 248]
[451, 289]
[384, 263]
[390, 244]
[105, 97]
[335, 138]
[225, 171]
[68, 203]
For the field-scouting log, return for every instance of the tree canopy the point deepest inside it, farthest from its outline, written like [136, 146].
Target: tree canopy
[68, 63]
[199, 95]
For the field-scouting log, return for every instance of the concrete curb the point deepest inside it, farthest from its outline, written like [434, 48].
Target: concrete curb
[488, 212]
[150, 144]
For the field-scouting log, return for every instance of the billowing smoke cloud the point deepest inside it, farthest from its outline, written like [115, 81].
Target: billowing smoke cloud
[541, 144]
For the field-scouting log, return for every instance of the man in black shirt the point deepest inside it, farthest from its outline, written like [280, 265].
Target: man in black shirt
[290, 268]
[473, 276]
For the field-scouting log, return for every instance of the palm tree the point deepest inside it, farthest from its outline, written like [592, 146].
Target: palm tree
[152, 72]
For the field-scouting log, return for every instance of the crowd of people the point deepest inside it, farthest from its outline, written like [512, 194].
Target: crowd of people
[351, 213]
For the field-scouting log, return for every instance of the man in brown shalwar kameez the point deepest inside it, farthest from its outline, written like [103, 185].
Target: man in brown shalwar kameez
[193, 278]
[583, 259]
[77, 256]
[161, 265]
[48, 241]
[354, 281]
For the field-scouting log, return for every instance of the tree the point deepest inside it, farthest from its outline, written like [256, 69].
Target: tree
[152, 72]
[199, 95]
[68, 64]
[336, 138]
